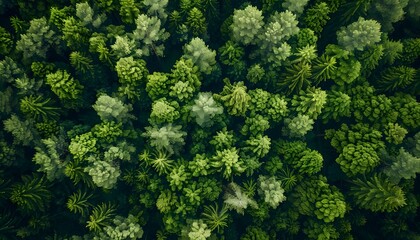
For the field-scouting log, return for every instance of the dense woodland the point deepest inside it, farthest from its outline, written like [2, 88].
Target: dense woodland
[209, 119]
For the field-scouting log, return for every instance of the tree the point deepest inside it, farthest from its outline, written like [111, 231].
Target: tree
[310, 102]
[204, 109]
[49, 158]
[169, 138]
[235, 199]
[234, 97]
[295, 6]
[377, 194]
[359, 34]
[109, 108]
[201, 55]
[22, 131]
[271, 190]
[32, 194]
[246, 25]
[38, 107]
[36, 42]
[164, 111]
[150, 34]
[228, 160]
[404, 165]
[64, 85]
[103, 174]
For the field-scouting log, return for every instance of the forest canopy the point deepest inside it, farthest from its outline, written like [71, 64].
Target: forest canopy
[209, 119]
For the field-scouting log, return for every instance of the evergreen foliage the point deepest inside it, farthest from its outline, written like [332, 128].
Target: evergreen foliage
[377, 194]
[209, 119]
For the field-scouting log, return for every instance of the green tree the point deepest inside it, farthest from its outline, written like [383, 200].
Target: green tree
[109, 109]
[38, 107]
[360, 34]
[237, 200]
[201, 55]
[169, 137]
[234, 97]
[32, 194]
[36, 42]
[246, 25]
[204, 109]
[377, 194]
[64, 85]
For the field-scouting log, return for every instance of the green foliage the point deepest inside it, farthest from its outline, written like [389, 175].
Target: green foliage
[93, 92]
[64, 85]
[149, 33]
[408, 110]
[296, 77]
[411, 50]
[229, 161]
[253, 233]
[395, 133]
[124, 228]
[369, 107]
[330, 206]
[101, 217]
[32, 194]
[255, 125]
[131, 75]
[49, 158]
[295, 6]
[271, 190]
[354, 134]
[309, 102]
[201, 55]
[396, 78]
[337, 106]
[377, 194]
[79, 203]
[223, 139]
[255, 73]
[404, 165]
[358, 159]
[259, 145]
[112, 109]
[37, 107]
[22, 131]
[80, 62]
[128, 11]
[157, 85]
[234, 97]
[215, 218]
[6, 100]
[196, 22]
[360, 34]
[87, 15]
[103, 174]
[298, 126]
[317, 17]
[237, 200]
[185, 79]
[246, 25]
[204, 109]
[164, 112]
[6, 41]
[36, 41]
[199, 231]
[74, 33]
[388, 12]
[231, 53]
[9, 70]
[317, 230]
[169, 138]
